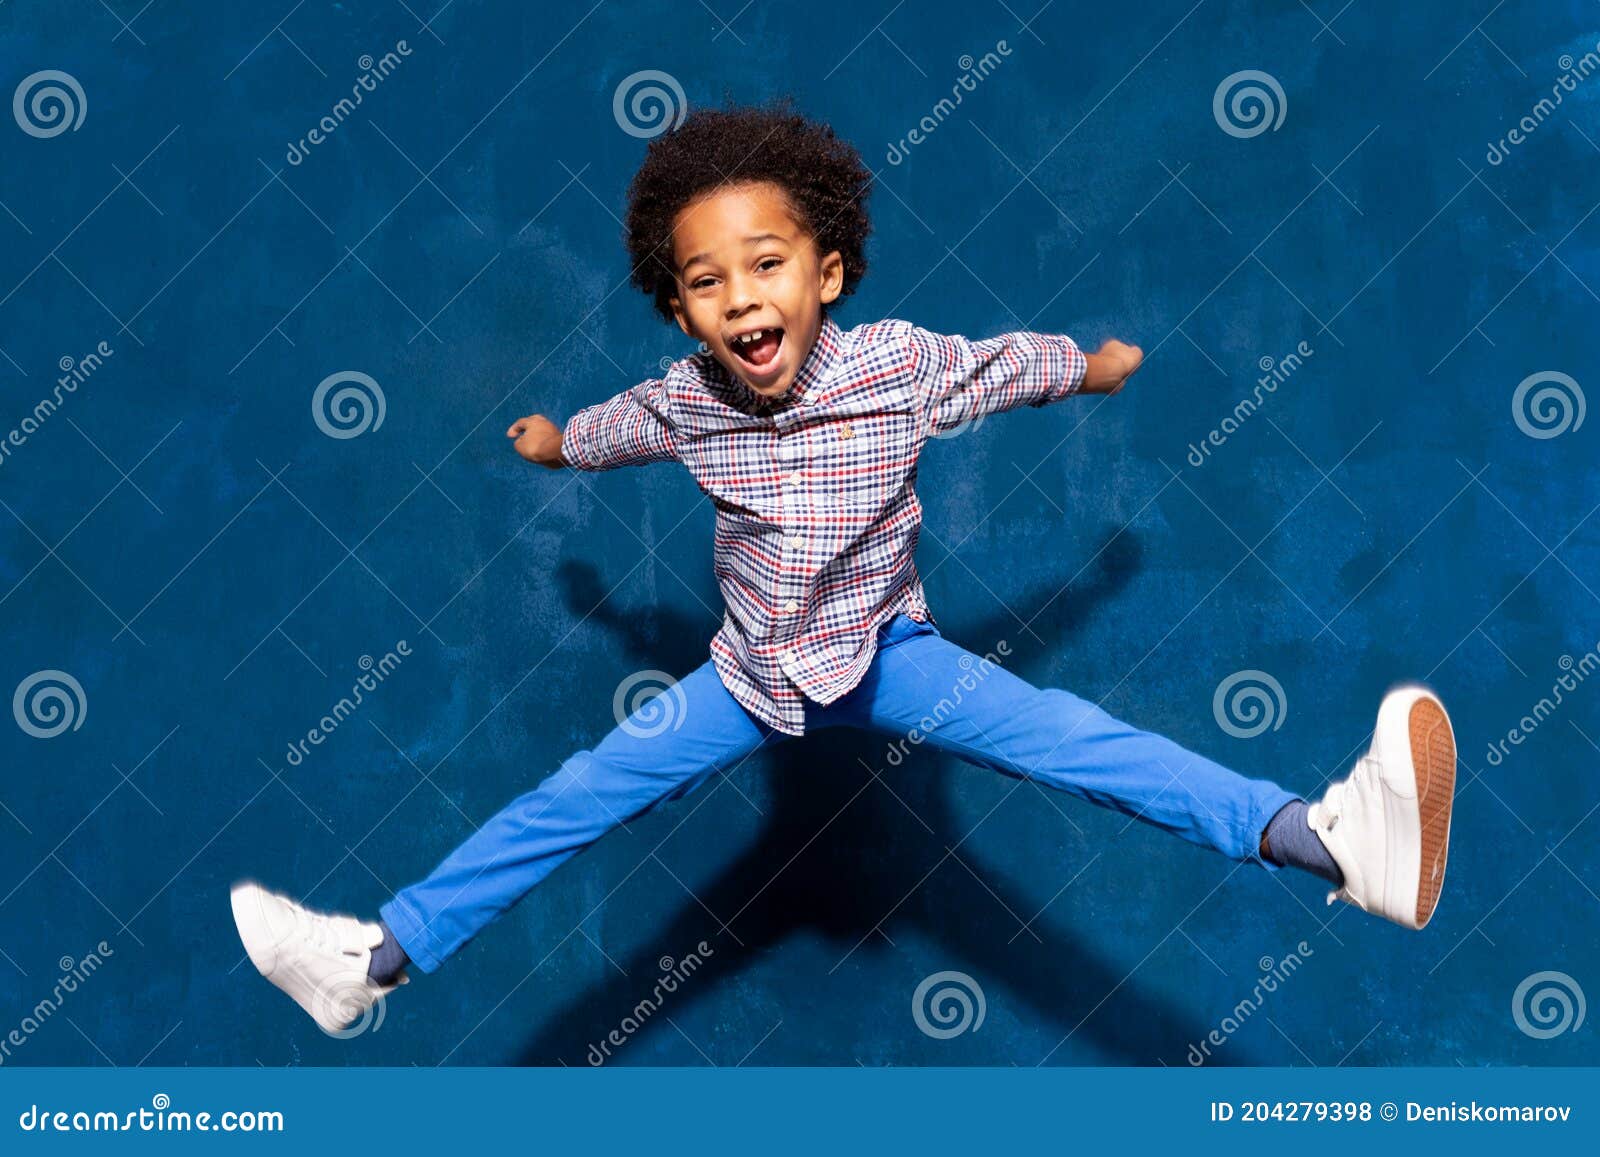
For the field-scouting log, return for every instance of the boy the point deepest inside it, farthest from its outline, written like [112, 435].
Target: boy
[745, 226]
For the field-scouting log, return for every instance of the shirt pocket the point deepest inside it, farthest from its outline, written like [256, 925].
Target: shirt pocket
[862, 460]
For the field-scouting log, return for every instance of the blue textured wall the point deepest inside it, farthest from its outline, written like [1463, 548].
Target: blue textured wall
[183, 540]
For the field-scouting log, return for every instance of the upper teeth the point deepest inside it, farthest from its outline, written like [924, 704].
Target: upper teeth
[747, 338]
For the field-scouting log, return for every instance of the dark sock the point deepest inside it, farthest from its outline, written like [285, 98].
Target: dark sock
[388, 959]
[1292, 844]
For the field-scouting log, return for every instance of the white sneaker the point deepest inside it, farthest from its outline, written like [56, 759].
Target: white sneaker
[320, 959]
[1388, 825]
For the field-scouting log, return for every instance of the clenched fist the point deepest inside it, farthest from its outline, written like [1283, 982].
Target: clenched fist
[1110, 366]
[537, 439]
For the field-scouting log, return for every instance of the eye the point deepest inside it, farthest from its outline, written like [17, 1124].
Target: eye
[768, 264]
[700, 283]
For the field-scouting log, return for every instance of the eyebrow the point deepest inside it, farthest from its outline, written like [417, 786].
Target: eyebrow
[748, 241]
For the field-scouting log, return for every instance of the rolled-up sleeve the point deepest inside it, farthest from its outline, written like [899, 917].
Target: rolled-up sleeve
[630, 429]
[960, 380]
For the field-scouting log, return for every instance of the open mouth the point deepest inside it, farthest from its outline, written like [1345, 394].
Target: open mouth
[757, 349]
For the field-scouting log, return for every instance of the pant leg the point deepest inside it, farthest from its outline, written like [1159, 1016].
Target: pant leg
[929, 691]
[665, 750]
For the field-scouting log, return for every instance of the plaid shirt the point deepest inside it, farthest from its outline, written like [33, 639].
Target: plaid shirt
[817, 515]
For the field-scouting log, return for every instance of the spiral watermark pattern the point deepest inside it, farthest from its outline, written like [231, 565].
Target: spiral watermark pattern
[47, 703]
[1247, 703]
[348, 404]
[1547, 404]
[348, 999]
[48, 103]
[958, 430]
[1548, 1004]
[1248, 103]
[648, 103]
[649, 703]
[948, 1004]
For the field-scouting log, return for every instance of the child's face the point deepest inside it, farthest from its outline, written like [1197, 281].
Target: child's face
[745, 265]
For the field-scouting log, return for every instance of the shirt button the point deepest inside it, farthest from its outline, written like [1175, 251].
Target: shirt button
[788, 656]
[794, 478]
[791, 606]
[797, 541]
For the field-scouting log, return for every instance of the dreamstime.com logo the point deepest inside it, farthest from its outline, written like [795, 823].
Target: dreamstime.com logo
[648, 103]
[673, 974]
[373, 73]
[948, 1004]
[74, 974]
[347, 404]
[49, 103]
[1248, 703]
[1574, 672]
[1248, 103]
[1548, 1004]
[974, 671]
[648, 703]
[1274, 373]
[48, 703]
[973, 73]
[1547, 404]
[374, 672]
[1274, 973]
[160, 1117]
[1573, 73]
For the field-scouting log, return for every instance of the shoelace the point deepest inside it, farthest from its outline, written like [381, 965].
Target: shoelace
[329, 933]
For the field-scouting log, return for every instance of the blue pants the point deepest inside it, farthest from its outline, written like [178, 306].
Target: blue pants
[920, 688]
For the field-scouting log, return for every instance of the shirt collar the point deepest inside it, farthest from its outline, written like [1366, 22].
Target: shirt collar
[824, 355]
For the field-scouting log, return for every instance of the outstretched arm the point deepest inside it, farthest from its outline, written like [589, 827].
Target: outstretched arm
[963, 380]
[629, 429]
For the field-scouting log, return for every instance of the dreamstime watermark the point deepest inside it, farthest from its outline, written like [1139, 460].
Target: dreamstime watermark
[73, 974]
[48, 103]
[974, 671]
[1576, 672]
[648, 703]
[160, 1117]
[1573, 73]
[348, 999]
[673, 973]
[948, 1004]
[973, 73]
[1548, 1004]
[1273, 974]
[1249, 702]
[667, 361]
[1273, 374]
[1248, 103]
[648, 103]
[376, 671]
[48, 703]
[74, 372]
[1547, 404]
[373, 73]
[347, 404]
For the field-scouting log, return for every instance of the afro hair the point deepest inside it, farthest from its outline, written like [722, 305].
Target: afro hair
[822, 176]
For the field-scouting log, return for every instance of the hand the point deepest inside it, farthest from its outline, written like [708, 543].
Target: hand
[537, 439]
[1110, 366]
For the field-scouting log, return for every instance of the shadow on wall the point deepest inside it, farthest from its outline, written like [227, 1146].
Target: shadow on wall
[842, 886]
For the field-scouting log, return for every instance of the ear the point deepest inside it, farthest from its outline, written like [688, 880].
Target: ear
[683, 318]
[830, 274]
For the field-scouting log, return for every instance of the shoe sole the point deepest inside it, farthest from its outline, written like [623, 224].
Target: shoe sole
[1433, 757]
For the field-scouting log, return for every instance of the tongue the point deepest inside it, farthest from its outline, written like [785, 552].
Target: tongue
[759, 353]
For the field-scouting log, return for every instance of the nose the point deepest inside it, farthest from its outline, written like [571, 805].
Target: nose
[742, 296]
